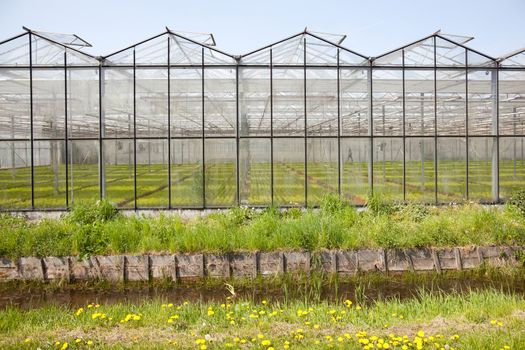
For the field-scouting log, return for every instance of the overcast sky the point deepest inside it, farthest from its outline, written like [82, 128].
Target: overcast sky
[372, 26]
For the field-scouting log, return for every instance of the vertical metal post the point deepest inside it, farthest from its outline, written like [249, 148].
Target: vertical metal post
[31, 120]
[169, 125]
[422, 145]
[101, 168]
[66, 130]
[237, 140]
[495, 133]
[435, 128]
[370, 132]
[134, 129]
[404, 117]
[305, 128]
[466, 126]
[203, 143]
[271, 127]
[339, 167]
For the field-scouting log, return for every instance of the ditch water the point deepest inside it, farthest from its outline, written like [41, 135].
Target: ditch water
[361, 290]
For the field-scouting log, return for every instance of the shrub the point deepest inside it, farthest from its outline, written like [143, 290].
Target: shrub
[517, 200]
[379, 205]
[99, 211]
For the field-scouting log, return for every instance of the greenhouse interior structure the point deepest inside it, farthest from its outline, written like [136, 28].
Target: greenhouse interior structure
[174, 122]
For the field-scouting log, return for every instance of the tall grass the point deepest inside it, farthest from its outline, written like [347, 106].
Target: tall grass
[99, 228]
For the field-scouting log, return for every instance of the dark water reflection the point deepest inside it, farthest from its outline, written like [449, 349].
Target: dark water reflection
[361, 290]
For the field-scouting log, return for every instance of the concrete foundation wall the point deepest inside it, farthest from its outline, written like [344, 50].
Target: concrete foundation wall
[124, 268]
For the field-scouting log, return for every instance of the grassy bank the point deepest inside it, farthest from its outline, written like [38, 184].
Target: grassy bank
[100, 229]
[478, 320]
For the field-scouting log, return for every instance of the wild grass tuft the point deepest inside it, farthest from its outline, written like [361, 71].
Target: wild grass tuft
[98, 228]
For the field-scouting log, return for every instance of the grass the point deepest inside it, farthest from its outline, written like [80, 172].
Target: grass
[476, 320]
[289, 183]
[100, 229]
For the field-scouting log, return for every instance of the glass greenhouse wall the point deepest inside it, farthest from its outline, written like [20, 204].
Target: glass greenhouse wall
[173, 122]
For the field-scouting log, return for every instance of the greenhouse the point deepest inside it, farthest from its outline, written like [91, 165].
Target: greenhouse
[174, 122]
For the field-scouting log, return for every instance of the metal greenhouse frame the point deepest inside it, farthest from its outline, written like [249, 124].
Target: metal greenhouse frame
[173, 122]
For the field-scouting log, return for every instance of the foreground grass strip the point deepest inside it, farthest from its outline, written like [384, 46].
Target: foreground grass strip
[99, 229]
[478, 320]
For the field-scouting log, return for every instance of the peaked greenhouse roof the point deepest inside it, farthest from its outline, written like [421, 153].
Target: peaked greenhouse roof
[184, 49]
[46, 49]
[306, 47]
[513, 59]
[443, 50]
[315, 48]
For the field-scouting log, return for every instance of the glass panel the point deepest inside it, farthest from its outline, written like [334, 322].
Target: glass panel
[15, 104]
[478, 60]
[289, 52]
[83, 171]
[288, 171]
[288, 102]
[154, 51]
[354, 170]
[118, 164]
[83, 103]
[420, 54]
[387, 102]
[259, 57]
[220, 107]
[482, 102]
[183, 51]
[254, 171]
[152, 102]
[254, 102]
[46, 53]
[15, 175]
[392, 59]
[419, 102]
[354, 101]
[321, 102]
[48, 103]
[516, 60]
[449, 53]
[480, 153]
[186, 173]
[122, 58]
[220, 181]
[451, 107]
[75, 58]
[388, 167]
[511, 165]
[117, 102]
[152, 173]
[419, 170]
[451, 170]
[15, 52]
[511, 102]
[322, 169]
[320, 52]
[50, 174]
[186, 102]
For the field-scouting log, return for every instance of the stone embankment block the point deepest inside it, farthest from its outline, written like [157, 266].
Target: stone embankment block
[120, 268]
